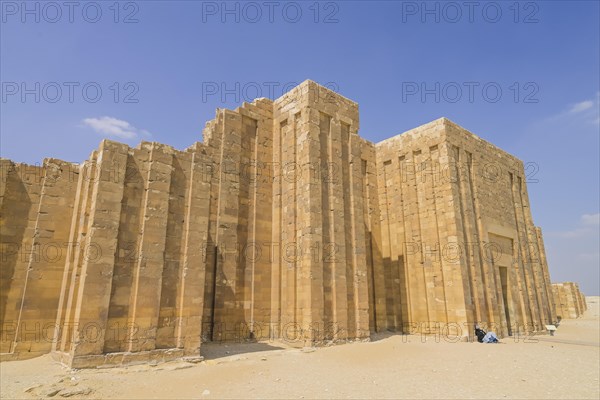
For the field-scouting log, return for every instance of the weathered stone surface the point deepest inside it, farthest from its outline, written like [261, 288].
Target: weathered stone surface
[570, 302]
[283, 224]
[459, 245]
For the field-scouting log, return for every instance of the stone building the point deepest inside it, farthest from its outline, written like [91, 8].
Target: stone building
[282, 224]
[570, 302]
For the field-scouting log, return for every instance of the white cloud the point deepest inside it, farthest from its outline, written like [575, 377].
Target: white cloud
[575, 233]
[586, 111]
[586, 227]
[114, 127]
[591, 219]
[582, 106]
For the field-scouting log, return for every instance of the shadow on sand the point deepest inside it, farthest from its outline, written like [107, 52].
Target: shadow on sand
[214, 350]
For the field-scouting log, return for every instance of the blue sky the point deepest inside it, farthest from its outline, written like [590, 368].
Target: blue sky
[162, 66]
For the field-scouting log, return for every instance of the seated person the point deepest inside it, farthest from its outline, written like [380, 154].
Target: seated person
[485, 337]
[480, 333]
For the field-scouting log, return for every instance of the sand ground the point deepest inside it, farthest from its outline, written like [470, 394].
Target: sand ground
[565, 366]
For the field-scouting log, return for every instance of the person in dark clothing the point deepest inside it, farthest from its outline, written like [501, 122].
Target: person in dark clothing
[485, 337]
[480, 333]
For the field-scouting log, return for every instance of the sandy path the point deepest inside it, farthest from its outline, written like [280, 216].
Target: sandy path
[564, 366]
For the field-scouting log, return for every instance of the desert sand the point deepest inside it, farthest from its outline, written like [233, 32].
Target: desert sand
[565, 366]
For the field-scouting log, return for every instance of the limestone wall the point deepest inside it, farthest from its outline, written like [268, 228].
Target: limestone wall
[459, 245]
[237, 285]
[569, 301]
[417, 214]
[321, 202]
[288, 257]
[283, 224]
[504, 230]
[133, 282]
[36, 205]
[19, 203]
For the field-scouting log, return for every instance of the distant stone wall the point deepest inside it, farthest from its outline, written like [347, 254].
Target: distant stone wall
[283, 224]
[570, 302]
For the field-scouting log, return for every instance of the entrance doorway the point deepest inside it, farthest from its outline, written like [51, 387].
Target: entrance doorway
[504, 282]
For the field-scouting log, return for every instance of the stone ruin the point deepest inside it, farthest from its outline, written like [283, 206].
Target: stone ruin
[569, 301]
[283, 224]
